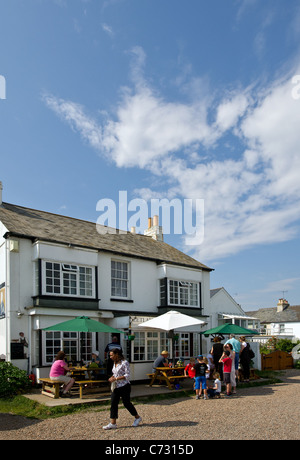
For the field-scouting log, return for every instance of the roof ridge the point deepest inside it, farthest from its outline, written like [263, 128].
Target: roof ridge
[64, 216]
[60, 228]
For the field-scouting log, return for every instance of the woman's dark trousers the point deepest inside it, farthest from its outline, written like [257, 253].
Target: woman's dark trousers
[124, 393]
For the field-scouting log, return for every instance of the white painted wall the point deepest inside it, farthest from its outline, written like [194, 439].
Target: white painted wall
[143, 285]
[291, 329]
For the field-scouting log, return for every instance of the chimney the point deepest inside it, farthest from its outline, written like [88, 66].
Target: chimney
[1, 188]
[154, 230]
[282, 305]
[132, 230]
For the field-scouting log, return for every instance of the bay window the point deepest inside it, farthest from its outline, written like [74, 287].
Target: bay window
[68, 280]
[183, 293]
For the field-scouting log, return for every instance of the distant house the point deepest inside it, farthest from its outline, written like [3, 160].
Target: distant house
[224, 309]
[282, 321]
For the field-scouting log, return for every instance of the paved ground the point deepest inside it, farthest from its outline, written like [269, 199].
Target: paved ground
[267, 413]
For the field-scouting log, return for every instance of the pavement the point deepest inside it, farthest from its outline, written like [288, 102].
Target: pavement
[140, 390]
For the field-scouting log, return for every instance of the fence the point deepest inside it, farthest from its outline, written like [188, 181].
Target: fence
[278, 360]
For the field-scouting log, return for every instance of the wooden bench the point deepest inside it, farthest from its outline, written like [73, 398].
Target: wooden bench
[50, 387]
[162, 377]
[88, 384]
[174, 377]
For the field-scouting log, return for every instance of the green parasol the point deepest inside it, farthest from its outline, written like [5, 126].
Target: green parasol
[82, 324]
[230, 329]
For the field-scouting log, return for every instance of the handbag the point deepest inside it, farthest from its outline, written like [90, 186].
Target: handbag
[251, 352]
[113, 386]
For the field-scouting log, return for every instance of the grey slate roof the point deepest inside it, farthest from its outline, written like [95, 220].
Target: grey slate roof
[40, 225]
[270, 315]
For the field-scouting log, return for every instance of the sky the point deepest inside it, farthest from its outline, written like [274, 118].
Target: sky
[183, 101]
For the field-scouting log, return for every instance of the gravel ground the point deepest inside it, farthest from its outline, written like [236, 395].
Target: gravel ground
[262, 413]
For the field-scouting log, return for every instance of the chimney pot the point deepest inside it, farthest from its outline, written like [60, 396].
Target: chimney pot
[282, 305]
[155, 221]
[154, 230]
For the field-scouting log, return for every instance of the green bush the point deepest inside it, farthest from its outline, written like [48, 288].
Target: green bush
[274, 344]
[12, 380]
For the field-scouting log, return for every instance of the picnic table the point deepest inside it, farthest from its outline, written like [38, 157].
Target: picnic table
[79, 372]
[83, 382]
[169, 375]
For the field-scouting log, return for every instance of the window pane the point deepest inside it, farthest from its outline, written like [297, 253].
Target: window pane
[52, 278]
[119, 279]
[64, 279]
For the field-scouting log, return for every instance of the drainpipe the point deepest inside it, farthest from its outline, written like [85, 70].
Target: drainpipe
[7, 301]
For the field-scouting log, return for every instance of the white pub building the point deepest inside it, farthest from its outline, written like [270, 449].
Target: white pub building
[54, 268]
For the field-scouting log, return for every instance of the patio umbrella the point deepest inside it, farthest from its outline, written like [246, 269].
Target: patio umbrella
[170, 321]
[230, 329]
[82, 324]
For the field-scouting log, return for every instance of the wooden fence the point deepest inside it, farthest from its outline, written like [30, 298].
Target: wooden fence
[277, 360]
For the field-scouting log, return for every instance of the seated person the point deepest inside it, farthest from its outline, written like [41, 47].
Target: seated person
[95, 364]
[58, 373]
[215, 390]
[161, 361]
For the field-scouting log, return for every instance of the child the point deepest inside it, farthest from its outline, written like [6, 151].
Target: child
[200, 383]
[207, 373]
[211, 364]
[227, 362]
[216, 389]
[189, 370]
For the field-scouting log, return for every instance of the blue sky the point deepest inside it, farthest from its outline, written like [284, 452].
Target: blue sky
[169, 100]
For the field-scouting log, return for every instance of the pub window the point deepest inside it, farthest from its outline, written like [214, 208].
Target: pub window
[68, 279]
[183, 293]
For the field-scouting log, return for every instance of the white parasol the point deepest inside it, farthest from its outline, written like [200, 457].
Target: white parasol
[170, 321]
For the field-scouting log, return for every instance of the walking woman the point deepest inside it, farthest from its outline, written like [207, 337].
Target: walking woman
[121, 388]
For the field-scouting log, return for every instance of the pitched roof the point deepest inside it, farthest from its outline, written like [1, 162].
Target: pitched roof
[270, 315]
[214, 291]
[40, 225]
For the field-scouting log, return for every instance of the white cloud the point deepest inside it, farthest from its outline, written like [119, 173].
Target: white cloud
[230, 110]
[75, 115]
[108, 29]
[286, 285]
[252, 195]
